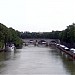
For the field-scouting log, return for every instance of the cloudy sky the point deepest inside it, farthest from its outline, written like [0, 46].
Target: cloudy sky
[37, 15]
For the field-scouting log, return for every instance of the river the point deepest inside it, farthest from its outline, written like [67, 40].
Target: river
[35, 60]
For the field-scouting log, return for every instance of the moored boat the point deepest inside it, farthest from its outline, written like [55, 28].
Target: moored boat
[10, 47]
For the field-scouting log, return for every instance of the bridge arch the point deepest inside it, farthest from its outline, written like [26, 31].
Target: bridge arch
[45, 40]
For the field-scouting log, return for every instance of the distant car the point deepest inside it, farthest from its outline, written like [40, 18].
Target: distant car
[67, 49]
[72, 50]
[31, 41]
[42, 42]
[57, 44]
[62, 46]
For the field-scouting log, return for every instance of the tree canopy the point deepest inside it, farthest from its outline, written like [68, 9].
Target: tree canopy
[9, 35]
[65, 36]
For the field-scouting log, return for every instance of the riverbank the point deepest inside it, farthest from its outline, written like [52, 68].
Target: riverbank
[67, 52]
[1, 50]
[10, 48]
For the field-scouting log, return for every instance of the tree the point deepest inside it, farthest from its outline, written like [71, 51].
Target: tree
[9, 35]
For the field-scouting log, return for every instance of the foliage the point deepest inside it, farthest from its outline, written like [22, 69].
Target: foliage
[9, 35]
[66, 36]
[45, 35]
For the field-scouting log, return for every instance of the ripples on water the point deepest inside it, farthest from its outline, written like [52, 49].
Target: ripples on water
[36, 60]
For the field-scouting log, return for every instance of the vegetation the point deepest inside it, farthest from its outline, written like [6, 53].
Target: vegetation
[66, 36]
[46, 35]
[9, 35]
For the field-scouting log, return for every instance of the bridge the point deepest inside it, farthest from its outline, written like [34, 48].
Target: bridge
[48, 41]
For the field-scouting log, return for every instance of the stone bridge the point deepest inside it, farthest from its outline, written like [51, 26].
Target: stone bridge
[47, 40]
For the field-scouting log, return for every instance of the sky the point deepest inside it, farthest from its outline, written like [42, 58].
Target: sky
[37, 15]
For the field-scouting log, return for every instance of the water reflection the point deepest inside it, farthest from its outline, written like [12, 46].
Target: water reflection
[68, 63]
[1, 56]
[36, 60]
[8, 55]
[4, 56]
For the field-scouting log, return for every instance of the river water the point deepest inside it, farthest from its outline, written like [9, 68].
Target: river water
[36, 61]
